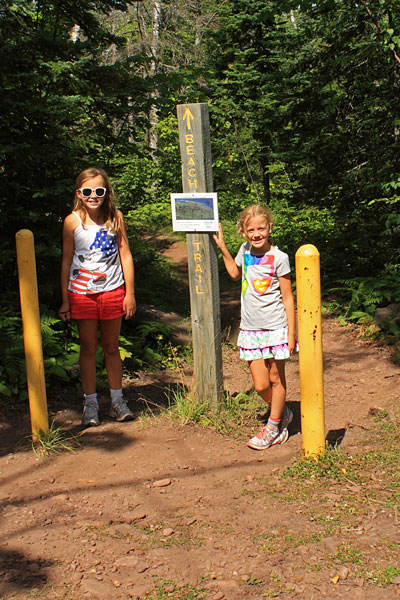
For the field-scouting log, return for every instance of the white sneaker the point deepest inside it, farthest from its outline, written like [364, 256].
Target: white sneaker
[120, 411]
[268, 437]
[90, 415]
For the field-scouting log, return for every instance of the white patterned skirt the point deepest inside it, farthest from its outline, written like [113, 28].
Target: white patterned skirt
[264, 343]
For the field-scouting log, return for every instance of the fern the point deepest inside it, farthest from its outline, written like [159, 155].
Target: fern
[367, 294]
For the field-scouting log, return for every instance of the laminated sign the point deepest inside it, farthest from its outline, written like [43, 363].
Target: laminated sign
[195, 211]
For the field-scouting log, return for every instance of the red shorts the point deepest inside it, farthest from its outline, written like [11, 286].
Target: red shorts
[103, 305]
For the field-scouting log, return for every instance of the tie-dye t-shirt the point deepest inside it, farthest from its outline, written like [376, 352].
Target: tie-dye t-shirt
[96, 265]
[261, 305]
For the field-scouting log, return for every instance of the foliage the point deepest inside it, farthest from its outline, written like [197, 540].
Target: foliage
[186, 592]
[60, 353]
[368, 293]
[235, 415]
[382, 463]
[54, 441]
[150, 345]
[314, 133]
[298, 126]
[332, 464]
[12, 363]
[63, 106]
[154, 273]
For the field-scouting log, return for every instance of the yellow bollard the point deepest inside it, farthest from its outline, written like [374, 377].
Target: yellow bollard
[310, 354]
[32, 335]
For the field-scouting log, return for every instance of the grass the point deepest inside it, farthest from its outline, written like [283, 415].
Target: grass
[55, 441]
[152, 537]
[386, 575]
[281, 541]
[172, 591]
[347, 553]
[349, 499]
[236, 416]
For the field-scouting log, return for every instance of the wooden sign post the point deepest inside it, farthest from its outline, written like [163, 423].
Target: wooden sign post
[195, 147]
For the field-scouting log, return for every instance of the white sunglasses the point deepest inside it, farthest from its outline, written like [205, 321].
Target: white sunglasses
[87, 191]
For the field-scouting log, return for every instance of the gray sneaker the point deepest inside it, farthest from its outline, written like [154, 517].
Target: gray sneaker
[120, 411]
[287, 418]
[90, 415]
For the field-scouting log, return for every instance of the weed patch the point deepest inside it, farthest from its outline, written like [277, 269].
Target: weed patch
[235, 416]
[172, 591]
[55, 441]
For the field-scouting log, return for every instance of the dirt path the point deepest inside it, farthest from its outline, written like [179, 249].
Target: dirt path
[151, 505]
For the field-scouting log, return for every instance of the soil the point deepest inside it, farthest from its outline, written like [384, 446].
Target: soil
[155, 505]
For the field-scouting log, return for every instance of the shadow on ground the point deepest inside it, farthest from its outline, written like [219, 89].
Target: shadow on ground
[19, 572]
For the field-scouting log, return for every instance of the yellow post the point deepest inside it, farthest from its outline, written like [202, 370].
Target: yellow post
[32, 335]
[310, 354]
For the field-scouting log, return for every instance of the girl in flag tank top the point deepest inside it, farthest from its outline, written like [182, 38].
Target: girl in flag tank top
[97, 285]
[267, 327]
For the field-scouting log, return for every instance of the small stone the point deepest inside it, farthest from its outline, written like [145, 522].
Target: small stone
[161, 483]
[228, 585]
[190, 521]
[123, 529]
[167, 531]
[141, 567]
[343, 572]
[218, 596]
[52, 480]
[332, 496]
[169, 588]
[291, 586]
[138, 590]
[126, 561]
[132, 517]
[396, 580]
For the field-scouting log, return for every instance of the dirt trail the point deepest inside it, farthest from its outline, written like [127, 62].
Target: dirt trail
[149, 503]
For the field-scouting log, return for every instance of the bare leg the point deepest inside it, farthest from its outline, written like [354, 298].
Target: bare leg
[278, 383]
[110, 330]
[270, 383]
[261, 378]
[88, 338]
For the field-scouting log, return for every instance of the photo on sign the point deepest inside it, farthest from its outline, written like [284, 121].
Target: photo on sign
[195, 211]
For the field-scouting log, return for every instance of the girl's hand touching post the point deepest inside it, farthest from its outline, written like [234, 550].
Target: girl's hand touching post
[219, 240]
[233, 270]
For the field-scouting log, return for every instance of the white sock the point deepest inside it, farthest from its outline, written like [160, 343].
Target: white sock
[91, 399]
[116, 395]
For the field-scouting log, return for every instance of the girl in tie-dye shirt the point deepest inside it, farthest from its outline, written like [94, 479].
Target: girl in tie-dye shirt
[267, 327]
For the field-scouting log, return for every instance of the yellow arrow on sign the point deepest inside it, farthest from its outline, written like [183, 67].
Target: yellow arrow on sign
[187, 115]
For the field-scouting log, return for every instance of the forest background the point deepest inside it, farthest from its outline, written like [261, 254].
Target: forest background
[304, 109]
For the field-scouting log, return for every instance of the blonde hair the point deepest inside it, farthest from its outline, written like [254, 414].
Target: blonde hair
[254, 210]
[112, 218]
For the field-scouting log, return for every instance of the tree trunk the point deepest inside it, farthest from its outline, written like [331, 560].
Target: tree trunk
[152, 134]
